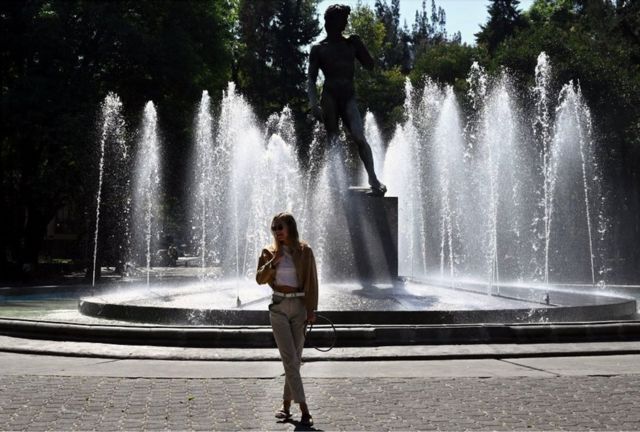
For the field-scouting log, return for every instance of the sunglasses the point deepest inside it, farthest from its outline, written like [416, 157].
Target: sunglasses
[279, 227]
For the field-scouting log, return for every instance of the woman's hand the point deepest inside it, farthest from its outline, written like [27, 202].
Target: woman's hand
[311, 317]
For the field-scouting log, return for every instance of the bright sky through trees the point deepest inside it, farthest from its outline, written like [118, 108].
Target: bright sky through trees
[462, 15]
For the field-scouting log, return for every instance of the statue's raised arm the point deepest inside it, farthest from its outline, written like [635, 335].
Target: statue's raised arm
[362, 53]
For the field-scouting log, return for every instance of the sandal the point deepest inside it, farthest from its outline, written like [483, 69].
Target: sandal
[283, 414]
[306, 420]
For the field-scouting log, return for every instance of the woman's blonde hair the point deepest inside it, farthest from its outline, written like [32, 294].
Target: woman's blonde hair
[292, 227]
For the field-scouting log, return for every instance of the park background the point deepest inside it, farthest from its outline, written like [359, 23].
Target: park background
[61, 58]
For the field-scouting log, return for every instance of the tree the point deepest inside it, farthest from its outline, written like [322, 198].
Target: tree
[442, 58]
[364, 23]
[504, 21]
[396, 49]
[446, 63]
[380, 90]
[271, 65]
[595, 44]
[60, 58]
[628, 14]
[429, 31]
[389, 16]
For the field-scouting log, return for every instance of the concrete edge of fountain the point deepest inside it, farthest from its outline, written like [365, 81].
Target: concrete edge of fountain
[589, 318]
[16, 345]
[557, 305]
[347, 335]
[158, 315]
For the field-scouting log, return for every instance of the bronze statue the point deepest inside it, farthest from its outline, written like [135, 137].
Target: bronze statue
[335, 56]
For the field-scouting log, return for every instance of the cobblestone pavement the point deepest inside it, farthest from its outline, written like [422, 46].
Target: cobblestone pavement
[519, 403]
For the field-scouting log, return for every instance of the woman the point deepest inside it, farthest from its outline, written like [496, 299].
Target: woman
[288, 266]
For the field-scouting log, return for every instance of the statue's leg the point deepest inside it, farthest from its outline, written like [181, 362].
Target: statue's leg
[330, 118]
[353, 121]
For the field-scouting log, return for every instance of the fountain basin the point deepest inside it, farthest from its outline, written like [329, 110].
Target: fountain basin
[411, 312]
[407, 302]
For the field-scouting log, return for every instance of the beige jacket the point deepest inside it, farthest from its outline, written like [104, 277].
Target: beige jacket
[305, 264]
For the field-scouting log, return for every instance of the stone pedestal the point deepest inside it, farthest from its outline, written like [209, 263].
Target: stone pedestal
[367, 249]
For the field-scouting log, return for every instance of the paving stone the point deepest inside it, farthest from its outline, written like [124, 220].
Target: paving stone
[30, 402]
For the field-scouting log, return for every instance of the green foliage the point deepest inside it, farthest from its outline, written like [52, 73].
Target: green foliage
[382, 91]
[271, 65]
[59, 59]
[504, 21]
[430, 28]
[389, 16]
[364, 23]
[596, 44]
[585, 44]
[446, 62]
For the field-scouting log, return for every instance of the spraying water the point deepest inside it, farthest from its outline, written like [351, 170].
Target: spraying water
[474, 200]
[576, 176]
[253, 175]
[542, 134]
[583, 118]
[448, 151]
[480, 195]
[374, 138]
[146, 189]
[113, 132]
[497, 157]
[328, 214]
[402, 175]
[203, 159]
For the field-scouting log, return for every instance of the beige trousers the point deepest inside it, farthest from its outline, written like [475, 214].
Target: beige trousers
[288, 316]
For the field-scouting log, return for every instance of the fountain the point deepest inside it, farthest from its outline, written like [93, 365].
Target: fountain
[402, 174]
[542, 133]
[374, 138]
[144, 220]
[112, 143]
[478, 202]
[500, 164]
[495, 212]
[576, 179]
[202, 209]
[255, 177]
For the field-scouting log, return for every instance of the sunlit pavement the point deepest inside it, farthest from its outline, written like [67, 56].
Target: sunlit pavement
[549, 393]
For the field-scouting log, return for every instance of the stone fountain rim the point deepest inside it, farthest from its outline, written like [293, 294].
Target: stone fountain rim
[382, 333]
[582, 306]
[348, 336]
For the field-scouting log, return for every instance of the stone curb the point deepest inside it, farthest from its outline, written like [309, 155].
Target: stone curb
[347, 336]
[388, 353]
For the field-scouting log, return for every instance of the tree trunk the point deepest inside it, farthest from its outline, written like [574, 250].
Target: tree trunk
[35, 228]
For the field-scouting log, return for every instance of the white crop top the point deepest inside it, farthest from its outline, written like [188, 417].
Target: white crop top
[286, 270]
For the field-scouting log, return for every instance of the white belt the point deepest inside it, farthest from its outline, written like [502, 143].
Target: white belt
[294, 294]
